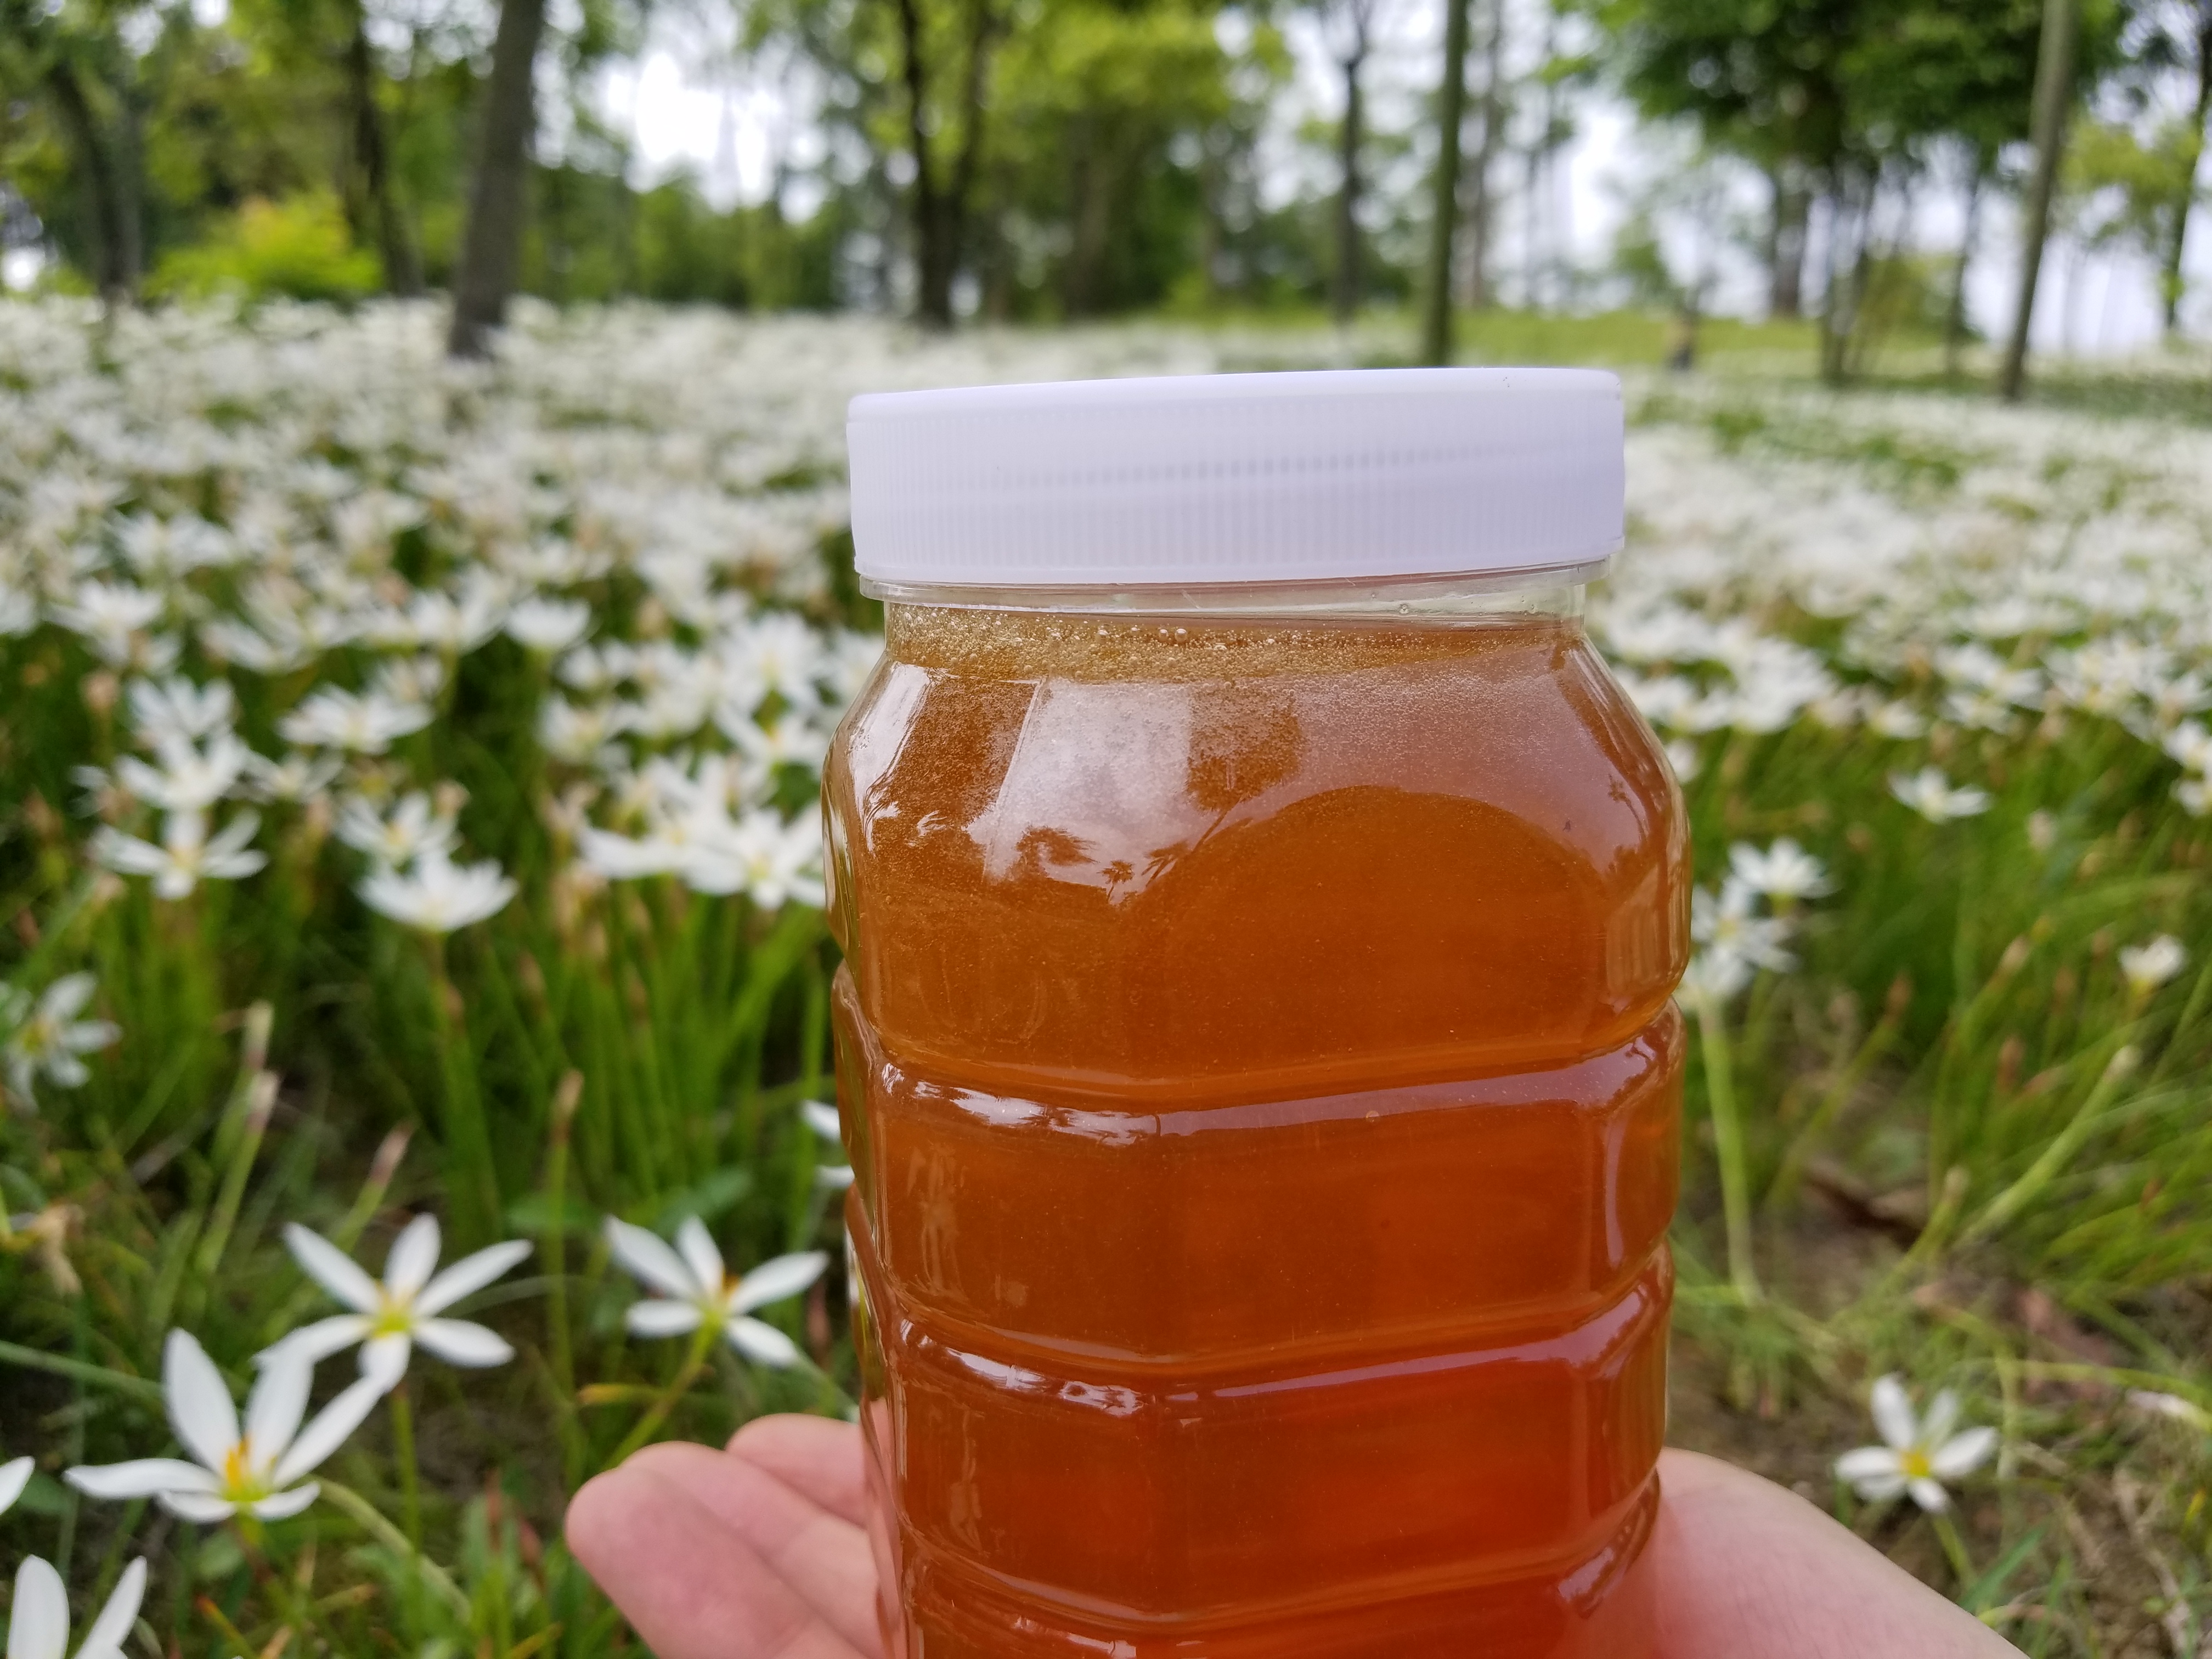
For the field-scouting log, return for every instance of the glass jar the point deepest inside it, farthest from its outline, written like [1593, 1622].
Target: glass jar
[1257, 1061]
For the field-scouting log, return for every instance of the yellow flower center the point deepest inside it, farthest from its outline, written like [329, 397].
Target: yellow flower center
[1916, 1465]
[392, 1318]
[239, 1483]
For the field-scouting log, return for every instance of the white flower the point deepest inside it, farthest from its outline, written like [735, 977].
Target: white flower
[409, 681]
[1900, 721]
[439, 896]
[177, 709]
[547, 625]
[1685, 756]
[185, 857]
[458, 622]
[1712, 978]
[298, 777]
[1917, 1455]
[2171, 1406]
[39, 1626]
[1929, 794]
[413, 831]
[48, 1036]
[331, 719]
[260, 1467]
[822, 1117]
[2146, 967]
[2190, 744]
[391, 1315]
[695, 1289]
[1783, 871]
[762, 856]
[109, 616]
[189, 779]
[14, 1477]
[1729, 924]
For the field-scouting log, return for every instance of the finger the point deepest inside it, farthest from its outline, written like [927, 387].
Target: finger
[692, 1589]
[813, 1456]
[823, 1558]
[1744, 1569]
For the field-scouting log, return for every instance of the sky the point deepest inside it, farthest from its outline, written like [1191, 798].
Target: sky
[694, 102]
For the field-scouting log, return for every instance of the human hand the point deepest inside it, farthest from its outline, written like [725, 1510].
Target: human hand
[760, 1552]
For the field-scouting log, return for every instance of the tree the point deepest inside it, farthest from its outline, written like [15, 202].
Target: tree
[1496, 110]
[1443, 224]
[2054, 94]
[2192, 151]
[372, 202]
[72, 58]
[942, 196]
[491, 245]
[1351, 23]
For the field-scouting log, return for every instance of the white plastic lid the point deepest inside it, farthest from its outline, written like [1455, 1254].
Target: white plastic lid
[1238, 478]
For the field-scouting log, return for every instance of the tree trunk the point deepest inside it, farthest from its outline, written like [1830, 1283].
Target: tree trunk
[1479, 296]
[2054, 91]
[940, 209]
[491, 243]
[1344, 299]
[2171, 281]
[1954, 320]
[1785, 245]
[111, 242]
[378, 205]
[1444, 219]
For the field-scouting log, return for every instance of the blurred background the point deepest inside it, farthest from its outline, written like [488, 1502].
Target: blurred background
[426, 596]
[1865, 175]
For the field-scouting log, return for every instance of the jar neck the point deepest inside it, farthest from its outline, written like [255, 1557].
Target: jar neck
[1442, 601]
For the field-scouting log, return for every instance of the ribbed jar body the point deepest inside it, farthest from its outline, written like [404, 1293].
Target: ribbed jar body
[1256, 1058]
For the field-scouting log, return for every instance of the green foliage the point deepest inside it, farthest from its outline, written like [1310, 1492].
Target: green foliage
[298, 249]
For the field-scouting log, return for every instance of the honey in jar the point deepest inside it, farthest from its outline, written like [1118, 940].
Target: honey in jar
[1261, 912]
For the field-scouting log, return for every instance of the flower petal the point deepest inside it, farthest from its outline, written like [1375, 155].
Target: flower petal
[1929, 1495]
[1963, 1454]
[328, 1430]
[1869, 1463]
[461, 1342]
[701, 1254]
[142, 1477]
[278, 1403]
[470, 1275]
[763, 1344]
[14, 1477]
[1879, 1488]
[201, 1507]
[661, 1316]
[414, 1258]
[774, 1280]
[1893, 1414]
[650, 1258]
[322, 1338]
[200, 1408]
[384, 1358]
[39, 1626]
[1942, 1417]
[332, 1269]
[112, 1628]
[286, 1504]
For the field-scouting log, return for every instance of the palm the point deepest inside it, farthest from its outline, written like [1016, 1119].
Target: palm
[760, 1554]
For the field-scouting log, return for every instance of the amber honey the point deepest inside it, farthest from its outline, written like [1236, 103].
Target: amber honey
[1256, 1057]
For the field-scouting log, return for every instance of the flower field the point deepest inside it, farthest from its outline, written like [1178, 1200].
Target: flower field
[413, 996]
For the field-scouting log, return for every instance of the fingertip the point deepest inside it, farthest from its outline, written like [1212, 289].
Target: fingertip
[785, 1434]
[596, 1515]
[818, 1457]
